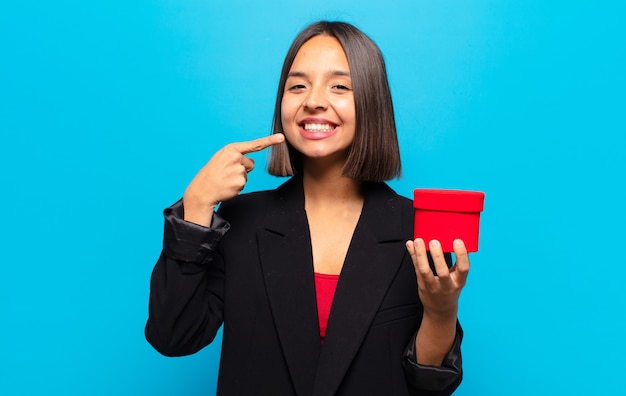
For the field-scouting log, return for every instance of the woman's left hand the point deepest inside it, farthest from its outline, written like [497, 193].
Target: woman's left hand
[439, 293]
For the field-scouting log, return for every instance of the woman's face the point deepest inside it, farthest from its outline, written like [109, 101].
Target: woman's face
[317, 109]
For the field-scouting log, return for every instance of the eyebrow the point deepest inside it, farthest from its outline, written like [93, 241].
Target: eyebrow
[332, 73]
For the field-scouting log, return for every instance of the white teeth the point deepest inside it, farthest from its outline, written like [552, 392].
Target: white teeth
[318, 127]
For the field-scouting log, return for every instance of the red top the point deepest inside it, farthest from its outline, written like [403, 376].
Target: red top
[325, 286]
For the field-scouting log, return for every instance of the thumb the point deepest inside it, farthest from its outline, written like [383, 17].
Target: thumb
[248, 163]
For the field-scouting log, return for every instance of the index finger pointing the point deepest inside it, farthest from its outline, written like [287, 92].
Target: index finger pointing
[258, 144]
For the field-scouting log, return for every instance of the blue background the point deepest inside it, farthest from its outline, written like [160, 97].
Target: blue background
[108, 109]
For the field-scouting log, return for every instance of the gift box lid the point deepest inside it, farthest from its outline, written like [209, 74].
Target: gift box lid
[463, 201]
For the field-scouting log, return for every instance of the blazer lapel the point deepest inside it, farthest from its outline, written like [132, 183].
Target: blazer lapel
[373, 259]
[286, 260]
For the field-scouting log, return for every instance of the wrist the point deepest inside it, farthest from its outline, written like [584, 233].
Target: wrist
[202, 215]
[443, 317]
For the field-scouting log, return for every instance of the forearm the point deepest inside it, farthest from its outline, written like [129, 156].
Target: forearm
[186, 287]
[435, 338]
[183, 316]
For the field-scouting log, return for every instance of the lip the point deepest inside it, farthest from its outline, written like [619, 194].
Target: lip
[316, 135]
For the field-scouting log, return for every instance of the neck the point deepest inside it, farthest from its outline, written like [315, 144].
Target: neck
[330, 187]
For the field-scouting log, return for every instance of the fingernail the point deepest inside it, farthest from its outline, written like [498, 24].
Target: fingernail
[458, 243]
[434, 244]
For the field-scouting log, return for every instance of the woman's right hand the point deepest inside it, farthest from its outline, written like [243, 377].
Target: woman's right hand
[222, 178]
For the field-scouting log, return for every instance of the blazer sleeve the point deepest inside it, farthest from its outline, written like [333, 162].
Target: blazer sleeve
[435, 380]
[187, 286]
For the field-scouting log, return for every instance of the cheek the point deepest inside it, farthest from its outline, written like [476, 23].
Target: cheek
[346, 110]
[287, 113]
[284, 110]
[284, 120]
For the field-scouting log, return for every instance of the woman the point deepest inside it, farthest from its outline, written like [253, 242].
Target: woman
[316, 282]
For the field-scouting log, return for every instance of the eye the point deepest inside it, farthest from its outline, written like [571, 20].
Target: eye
[341, 87]
[296, 87]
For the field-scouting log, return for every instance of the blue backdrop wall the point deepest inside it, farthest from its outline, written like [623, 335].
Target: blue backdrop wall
[108, 108]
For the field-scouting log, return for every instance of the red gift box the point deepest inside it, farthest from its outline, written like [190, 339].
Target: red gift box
[446, 215]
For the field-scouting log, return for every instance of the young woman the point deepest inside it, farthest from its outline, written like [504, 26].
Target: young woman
[318, 285]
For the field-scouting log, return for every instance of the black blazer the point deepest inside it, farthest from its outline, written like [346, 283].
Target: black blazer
[253, 272]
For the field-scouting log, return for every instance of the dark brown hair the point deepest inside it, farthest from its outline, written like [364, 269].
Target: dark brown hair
[374, 154]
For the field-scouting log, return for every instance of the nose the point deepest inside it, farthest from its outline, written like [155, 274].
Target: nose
[316, 99]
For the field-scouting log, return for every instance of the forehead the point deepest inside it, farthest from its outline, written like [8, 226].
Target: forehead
[321, 52]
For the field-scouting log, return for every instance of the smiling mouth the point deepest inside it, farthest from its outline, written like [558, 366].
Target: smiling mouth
[318, 127]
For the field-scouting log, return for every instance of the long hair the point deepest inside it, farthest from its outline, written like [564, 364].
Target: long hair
[374, 154]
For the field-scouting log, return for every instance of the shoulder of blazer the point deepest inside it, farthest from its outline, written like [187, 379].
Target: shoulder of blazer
[389, 214]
